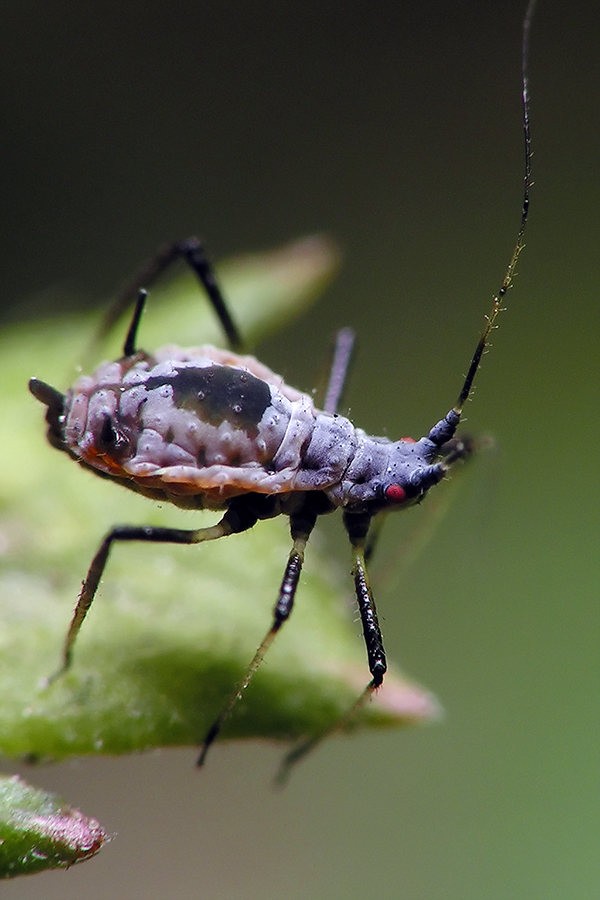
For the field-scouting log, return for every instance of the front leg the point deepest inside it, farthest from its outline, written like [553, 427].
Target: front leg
[357, 526]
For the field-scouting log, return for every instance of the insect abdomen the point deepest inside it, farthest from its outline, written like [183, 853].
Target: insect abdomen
[194, 425]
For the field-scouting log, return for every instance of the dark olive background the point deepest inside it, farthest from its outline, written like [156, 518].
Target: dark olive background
[396, 127]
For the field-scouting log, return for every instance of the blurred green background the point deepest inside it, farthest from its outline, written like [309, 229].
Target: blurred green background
[396, 127]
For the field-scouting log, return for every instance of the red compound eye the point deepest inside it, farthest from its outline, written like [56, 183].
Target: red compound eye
[395, 493]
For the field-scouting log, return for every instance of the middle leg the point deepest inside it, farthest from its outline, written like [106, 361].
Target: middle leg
[301, 526]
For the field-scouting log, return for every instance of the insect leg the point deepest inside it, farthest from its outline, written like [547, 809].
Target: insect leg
[342, 353]
[357, 527]
[192, 252]
[131, 338]
[301, 526]
[373, 536]
[236, 519]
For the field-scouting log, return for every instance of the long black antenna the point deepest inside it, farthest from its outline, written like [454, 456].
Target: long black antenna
[510, 271]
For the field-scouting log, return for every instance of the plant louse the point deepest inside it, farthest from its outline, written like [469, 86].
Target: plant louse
[207, 428]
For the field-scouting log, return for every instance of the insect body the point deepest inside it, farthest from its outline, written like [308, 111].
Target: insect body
[211, 429]
[201, 427]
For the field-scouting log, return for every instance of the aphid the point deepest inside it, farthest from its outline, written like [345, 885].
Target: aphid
[206, 428]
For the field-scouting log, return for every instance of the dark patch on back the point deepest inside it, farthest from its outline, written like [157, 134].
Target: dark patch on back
[219, 393]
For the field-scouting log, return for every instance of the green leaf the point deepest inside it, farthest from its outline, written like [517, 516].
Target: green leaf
[38, 831]
[172, 628]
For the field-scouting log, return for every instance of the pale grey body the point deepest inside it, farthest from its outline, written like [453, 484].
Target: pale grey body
[204, 425]
[210, 428]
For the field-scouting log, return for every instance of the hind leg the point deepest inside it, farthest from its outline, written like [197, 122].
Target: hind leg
[192, 252]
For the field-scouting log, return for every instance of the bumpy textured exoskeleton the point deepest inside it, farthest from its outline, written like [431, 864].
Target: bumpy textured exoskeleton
[212, 429]
[207, 428]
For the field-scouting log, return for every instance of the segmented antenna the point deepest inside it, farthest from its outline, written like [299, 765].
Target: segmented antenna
[510, 271]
